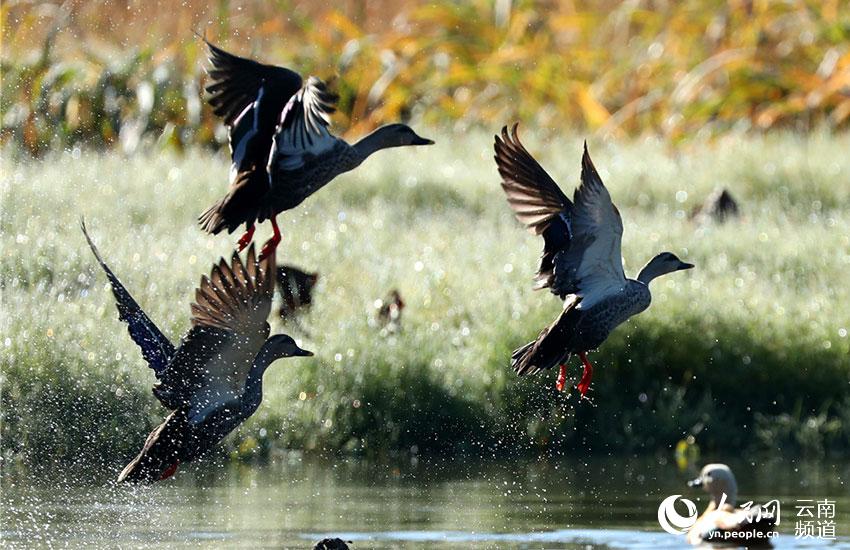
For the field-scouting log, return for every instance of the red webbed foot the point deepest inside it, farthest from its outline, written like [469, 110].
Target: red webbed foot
[561, 383]
[168, 472]
[245, 239]
[584, 383]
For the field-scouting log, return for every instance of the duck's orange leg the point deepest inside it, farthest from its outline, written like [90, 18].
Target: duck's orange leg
[561, 383]
[584, 383]
[245, 239]
[272, 243]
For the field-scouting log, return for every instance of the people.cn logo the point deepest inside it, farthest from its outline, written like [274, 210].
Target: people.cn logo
[669, 518]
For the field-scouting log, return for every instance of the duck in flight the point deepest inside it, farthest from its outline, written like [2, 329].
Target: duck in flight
[581, 261]
[281, 149]
[213, 379]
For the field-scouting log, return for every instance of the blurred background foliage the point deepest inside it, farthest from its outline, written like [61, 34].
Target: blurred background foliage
[125, 71]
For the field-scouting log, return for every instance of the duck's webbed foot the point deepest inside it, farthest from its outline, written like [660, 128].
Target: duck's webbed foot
[561, 383]
[584, 383]
[245, 239]
[272, 243]
[168, 472]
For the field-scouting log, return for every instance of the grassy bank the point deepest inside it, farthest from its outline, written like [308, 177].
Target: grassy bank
[748, 351]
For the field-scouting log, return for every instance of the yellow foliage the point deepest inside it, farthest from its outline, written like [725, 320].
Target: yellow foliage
[71, 72]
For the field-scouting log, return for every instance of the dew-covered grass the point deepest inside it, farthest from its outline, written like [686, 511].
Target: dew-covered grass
[747, 351]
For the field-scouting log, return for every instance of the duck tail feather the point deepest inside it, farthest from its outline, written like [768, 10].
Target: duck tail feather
[162, 452]
[551, 348]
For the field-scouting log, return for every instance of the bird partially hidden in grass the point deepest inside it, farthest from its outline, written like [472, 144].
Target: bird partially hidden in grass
[581, 261]
[296, 290]
[723, 523]
[281, 149]
[213, 380]
[389, 310]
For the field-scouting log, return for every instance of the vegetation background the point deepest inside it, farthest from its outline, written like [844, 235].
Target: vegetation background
[102, 114]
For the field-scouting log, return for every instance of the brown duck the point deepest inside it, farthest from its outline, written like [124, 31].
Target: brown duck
[581, 261]
[281, 149]
[213, 380]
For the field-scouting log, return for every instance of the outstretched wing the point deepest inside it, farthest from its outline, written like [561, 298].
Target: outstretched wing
[249, 96]
[156, 348]
[228, 328]
[235, 83]
[592, 266]
[536, 200]
[303, 129]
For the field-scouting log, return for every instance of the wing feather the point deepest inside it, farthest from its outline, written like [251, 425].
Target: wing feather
[156, 349]
[303, 128]
[536, 200]
[229, 326]
[592, 266]
[235, 83]
[532, 194]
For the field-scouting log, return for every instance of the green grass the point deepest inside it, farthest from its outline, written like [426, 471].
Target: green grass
[748, 351]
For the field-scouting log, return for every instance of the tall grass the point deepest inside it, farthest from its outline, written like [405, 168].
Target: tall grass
[748, 351]
[125, 72]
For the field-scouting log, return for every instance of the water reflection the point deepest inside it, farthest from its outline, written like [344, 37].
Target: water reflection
[563, 504]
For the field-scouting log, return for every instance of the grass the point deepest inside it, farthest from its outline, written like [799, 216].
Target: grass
[748, 351]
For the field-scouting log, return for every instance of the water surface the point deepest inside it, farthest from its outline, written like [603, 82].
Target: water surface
[600, 502]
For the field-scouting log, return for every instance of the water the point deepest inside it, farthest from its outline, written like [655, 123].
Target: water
[608, 503]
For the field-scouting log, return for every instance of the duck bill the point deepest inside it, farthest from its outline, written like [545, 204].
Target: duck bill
[695, 483]
[422, 141]
[303, 353]
[685, 265]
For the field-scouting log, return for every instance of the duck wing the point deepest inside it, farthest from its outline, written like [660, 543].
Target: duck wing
[537, 201]
[235, 83]
[229, 326]
[157, 350]
[592, 266]
[303, 130]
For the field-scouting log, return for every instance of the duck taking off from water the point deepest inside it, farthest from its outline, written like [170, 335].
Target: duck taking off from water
[213, 380]
[281, 149]
[581, 261]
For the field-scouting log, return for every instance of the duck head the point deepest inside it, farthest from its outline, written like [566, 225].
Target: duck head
[391, 135]
[664, 263]
[280, 346]
[717, 480]
[400, 135]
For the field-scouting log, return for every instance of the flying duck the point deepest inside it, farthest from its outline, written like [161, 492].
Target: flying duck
[722, 522]
[213, 379]
[281, 149]
[581, 261]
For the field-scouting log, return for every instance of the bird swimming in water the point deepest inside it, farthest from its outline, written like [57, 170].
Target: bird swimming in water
[213, 379]
[581, 261]
[281, 149]
[722, 522]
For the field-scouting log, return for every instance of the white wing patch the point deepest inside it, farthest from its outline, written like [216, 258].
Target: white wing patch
[303, 129]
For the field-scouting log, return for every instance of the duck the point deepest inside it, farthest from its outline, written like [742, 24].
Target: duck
[296, 290]
[332, 544]
[212, 381]
[281, 149]
[722, 521]
[389, 310]
[581, 261]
